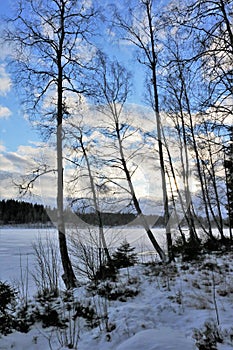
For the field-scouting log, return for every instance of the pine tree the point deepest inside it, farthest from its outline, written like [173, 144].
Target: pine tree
[124, 256]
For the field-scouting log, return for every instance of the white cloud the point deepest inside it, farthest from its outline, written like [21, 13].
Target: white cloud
[4, 112]
[142, 156]
[2, 147]
[22, 163]
[5, 81]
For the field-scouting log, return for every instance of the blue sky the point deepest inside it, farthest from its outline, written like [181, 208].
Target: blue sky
[14, 129]
[20, 146]
[18, 138]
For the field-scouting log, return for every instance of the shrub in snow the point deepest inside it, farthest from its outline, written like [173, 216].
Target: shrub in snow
[213, 245]
[47, 267]
[223, 292]
[24, 318]
[7, 301]
[210, 265]
[117, 291]
[7, 296]
[124, 256]
[6, 324]
[49, 317]
[192, 250]
[189, 250]
[105, 272]
[68, 334]
[208, 337]
[88, 313]
[12, 317]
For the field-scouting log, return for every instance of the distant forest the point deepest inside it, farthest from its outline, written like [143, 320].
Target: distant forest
[19, 212]
[13, 212]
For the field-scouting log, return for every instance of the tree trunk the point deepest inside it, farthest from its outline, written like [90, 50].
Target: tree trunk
[68, 276]
[135, 200]
[159, 132]
[102, 240]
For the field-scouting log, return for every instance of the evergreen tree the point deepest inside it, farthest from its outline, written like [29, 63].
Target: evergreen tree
[124, 256]
[17, 212]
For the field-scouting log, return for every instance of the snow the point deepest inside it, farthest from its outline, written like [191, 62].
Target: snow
[170, 302]
[16, 243]
[20, 341]
[16, 252]
[157, 339]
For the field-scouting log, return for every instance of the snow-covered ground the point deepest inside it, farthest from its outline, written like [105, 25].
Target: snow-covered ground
[169, 302]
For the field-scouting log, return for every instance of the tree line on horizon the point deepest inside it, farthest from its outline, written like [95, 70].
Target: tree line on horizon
[20, 212]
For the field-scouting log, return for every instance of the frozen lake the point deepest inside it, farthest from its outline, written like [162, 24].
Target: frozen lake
[17, 254]
[16, 251]
[17, 258]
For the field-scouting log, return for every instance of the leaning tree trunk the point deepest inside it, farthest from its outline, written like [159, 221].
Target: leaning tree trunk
[135, 200]
[97, 211]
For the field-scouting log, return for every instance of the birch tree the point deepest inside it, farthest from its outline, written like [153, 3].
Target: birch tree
[51, 51]
[141, 26]
[112, 86]
[208, 33]
[79, 148]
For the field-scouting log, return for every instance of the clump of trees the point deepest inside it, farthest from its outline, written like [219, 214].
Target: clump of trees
[80, 99]
[19, 212]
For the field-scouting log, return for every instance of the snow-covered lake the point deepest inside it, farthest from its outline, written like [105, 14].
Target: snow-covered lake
[17, 254]
[16, 251]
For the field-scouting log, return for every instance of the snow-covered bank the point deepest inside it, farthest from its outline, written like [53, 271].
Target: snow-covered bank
[166, 305]
[156, 339]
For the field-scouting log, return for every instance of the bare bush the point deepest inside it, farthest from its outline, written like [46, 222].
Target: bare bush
[47, 266]
[69, 336]
[87, 252]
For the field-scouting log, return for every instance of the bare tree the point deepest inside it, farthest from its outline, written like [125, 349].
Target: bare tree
[141, 27]
[179, 104]
[50, 40]
[208, 24]
[78, 135]
[228, 164]
[112, 86]
[211, 155]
